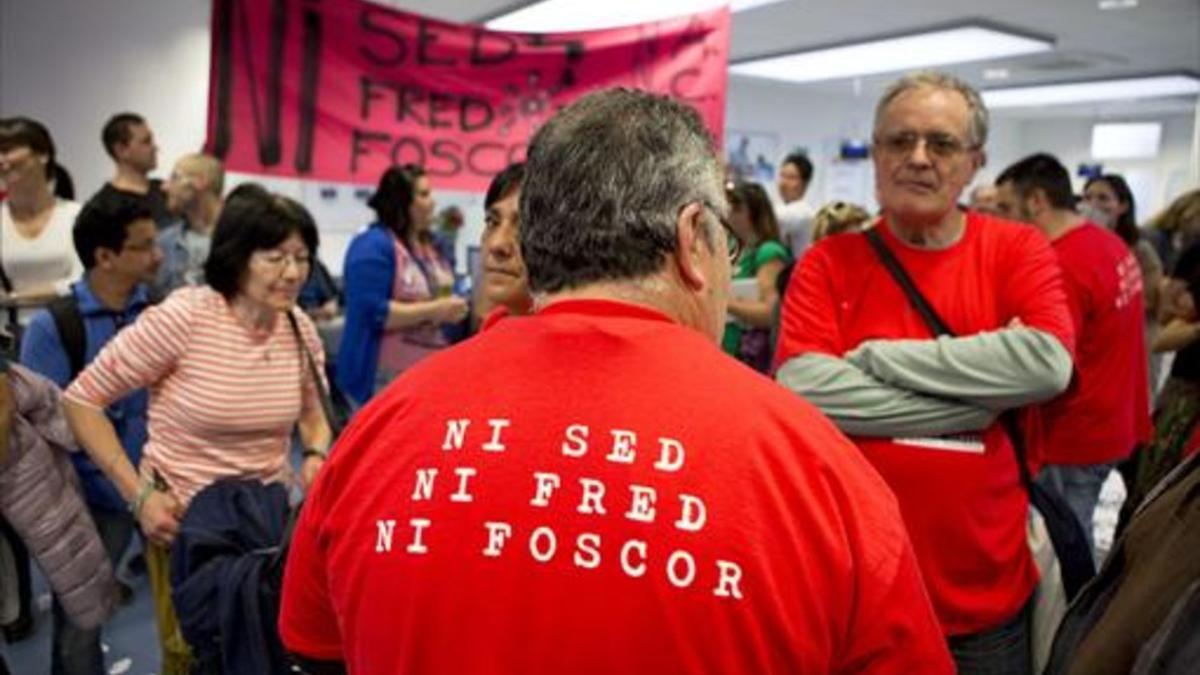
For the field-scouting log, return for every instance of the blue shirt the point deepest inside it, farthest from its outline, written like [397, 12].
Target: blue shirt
[42, 351]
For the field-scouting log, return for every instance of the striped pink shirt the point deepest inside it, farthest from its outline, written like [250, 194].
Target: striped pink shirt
[223, 398]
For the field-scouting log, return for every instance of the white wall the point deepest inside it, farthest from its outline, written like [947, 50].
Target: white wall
[73, 64]
[1155, 182]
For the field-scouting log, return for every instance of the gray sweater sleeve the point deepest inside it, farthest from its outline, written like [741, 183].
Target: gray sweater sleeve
[862, 405]
[998, 370]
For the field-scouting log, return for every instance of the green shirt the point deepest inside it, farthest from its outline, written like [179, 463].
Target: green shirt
[748, 264]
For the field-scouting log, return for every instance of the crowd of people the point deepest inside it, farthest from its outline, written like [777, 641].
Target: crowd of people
[675, 427]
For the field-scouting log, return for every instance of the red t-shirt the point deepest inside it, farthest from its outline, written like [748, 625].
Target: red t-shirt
[962, 501]
[1107, 409]
[612, 495]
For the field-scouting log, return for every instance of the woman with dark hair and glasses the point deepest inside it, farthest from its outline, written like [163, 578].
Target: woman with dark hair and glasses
[228, 379]
[398, 288]
[753, 301]
[37, 256]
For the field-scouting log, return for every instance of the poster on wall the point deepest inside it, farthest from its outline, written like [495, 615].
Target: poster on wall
[751, 155]
[338, 90]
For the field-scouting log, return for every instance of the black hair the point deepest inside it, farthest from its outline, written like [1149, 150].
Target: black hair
[64, 186]
[104, 222]
[802, 163]
[26, 132]
[505, 183]
[1044, 172]
[253, 219]
[1126, 225]
[394, 196]
[118, 130]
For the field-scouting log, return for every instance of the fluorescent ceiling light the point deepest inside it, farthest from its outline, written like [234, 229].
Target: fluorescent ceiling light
[922, 50]
[1089, 92]
[1126, 141]
[553, 16]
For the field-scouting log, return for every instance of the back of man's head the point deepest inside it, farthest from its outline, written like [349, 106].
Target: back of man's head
[104, 222]
[605, 182]
[119, 130]
[1041, 172]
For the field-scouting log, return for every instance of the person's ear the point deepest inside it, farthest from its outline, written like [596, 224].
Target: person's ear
[104, 257]
[692, 246]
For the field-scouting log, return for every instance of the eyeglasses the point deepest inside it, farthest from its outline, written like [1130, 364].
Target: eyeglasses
[735, 242]
[938, 145]
[277, 260]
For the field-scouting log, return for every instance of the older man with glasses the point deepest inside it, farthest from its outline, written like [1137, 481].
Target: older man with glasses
[596, 487]
[924, 410]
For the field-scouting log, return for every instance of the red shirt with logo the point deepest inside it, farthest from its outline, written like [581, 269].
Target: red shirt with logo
[594, 489]
[961, 498]
[1106, 411]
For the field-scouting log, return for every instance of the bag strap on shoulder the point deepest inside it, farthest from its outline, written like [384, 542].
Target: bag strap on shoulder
[68, 320]
[335, 425]
[939, 327]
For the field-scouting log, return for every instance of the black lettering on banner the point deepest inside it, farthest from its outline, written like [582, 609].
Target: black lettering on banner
[446, 150]
[695, 33]
[426, 38]
[678, 89]
[270, 145]
[493, 168]
[480, 107]
[221, 135]
[397, 155]
[404, 109]
[439, 103]
[369, 91]
[358, 144]
[482, 56]
[310, 74]
[399, 48]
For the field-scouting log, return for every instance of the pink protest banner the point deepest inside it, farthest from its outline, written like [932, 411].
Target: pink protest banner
[338, 90]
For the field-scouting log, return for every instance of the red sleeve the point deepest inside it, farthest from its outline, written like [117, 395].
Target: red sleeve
[308, 624]
[808, 322]
[1079, 297]
[1033, 291]
[895, 628]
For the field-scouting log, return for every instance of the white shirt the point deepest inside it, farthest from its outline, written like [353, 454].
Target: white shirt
[795, 225]
[49, 258]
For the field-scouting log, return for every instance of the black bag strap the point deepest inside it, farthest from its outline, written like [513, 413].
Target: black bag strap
[326, 402]
[69, 322]
[939, 327]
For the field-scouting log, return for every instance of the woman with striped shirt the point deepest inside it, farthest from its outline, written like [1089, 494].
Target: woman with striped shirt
[227, 377]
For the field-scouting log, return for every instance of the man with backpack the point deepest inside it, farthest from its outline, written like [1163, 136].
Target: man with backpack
[116, 239]
[923, 402]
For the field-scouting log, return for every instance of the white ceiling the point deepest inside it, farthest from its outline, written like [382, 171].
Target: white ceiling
[1157, 36]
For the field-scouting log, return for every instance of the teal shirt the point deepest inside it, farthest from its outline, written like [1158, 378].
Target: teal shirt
[751, 260]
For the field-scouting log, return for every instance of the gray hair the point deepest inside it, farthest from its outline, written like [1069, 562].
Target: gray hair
[977, 125]
[605, 180]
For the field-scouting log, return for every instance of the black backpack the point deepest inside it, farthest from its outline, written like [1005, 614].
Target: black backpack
[69, 322]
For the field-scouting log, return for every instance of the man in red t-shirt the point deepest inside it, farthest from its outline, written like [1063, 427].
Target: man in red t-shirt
[1079, 436]
[924, 410]
[597, 488]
